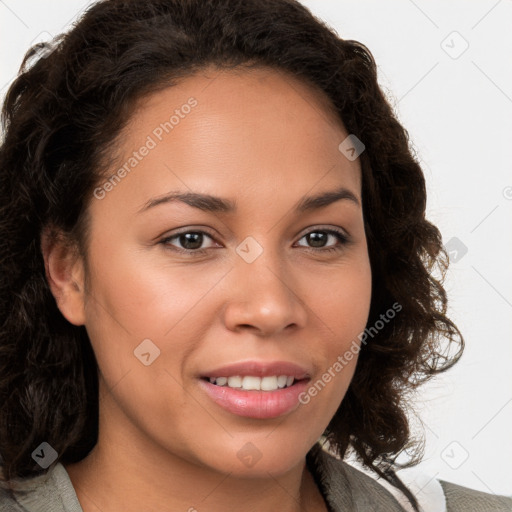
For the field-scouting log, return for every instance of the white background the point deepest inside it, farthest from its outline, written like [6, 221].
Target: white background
[457, 108]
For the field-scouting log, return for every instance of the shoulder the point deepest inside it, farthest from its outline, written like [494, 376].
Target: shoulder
[360, 481]
[346, 488]
[348, 485]
[49, 491]
[463, 499]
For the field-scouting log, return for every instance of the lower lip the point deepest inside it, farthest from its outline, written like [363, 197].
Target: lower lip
[256, 404]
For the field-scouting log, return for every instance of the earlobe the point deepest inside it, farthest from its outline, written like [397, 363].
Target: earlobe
[64, 271]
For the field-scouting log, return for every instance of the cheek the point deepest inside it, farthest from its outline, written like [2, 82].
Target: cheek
[343, 305]
[143, 294]
[137, 306]
[343, 300]
[143, 321]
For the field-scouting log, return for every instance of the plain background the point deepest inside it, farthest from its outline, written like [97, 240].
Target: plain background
[446, 68]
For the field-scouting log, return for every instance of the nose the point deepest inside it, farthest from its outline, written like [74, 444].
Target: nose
[264, 297]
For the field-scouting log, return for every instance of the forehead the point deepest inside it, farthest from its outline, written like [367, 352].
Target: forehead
[246, 87]
[256, 127]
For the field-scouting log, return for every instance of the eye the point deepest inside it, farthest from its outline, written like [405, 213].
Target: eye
[190, 241]
[319, 238]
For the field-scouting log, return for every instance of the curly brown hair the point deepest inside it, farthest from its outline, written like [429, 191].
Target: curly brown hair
[61, 117]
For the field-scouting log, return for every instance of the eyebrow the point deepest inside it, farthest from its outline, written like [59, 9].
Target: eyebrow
[209, 203]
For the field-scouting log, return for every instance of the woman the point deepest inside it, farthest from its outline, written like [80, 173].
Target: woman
[217, 271]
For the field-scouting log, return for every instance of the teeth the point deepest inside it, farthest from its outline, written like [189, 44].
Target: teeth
[251, 383]
[235, 382]
[270, 383]
[282, 381]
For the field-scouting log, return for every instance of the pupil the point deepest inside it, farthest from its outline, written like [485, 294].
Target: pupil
[317, 238]
[191, 240]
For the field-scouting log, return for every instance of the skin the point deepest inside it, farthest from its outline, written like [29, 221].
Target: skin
[265, 140]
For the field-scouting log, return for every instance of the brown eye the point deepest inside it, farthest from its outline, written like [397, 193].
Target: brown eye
[187, 241]
[191, 241]
[319, 238]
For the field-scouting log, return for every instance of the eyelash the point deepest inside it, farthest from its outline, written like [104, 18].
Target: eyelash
[341, 237]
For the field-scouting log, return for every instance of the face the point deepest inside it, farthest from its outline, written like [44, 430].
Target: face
[179, 288]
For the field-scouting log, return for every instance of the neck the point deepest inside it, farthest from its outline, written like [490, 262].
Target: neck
[100, 485]
[127, 472]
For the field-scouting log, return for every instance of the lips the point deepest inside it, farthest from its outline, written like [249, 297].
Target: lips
[259, 369]
[257, 404]
[262, 405]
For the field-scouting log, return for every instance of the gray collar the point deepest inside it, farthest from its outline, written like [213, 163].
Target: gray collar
[345, 488]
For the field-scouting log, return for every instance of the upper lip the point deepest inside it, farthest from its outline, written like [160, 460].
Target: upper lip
[259, 369]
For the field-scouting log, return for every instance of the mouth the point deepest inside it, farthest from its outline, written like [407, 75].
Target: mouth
[255, 388]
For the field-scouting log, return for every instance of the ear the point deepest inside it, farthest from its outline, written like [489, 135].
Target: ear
[64, 271]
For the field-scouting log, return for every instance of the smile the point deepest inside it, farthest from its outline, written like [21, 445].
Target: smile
[249, 382]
